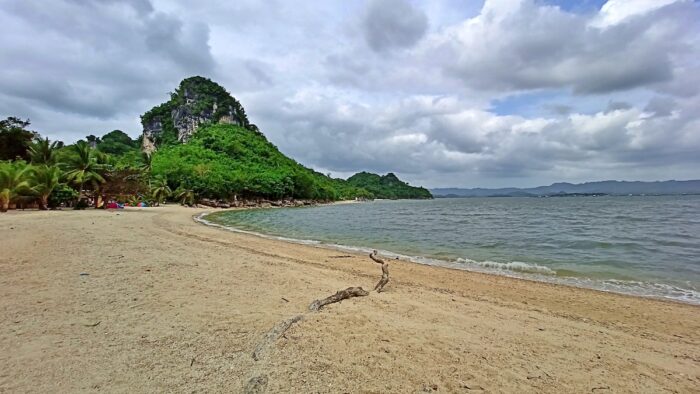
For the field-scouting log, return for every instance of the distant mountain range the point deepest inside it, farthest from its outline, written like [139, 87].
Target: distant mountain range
[618, 188]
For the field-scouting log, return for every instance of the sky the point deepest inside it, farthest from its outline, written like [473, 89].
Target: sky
[450, 93]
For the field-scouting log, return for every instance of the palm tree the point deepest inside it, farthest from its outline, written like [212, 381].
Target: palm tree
[106, 163]
[43, 180]
[43, 152]
[12, 183]
[83, 167]
[160, 190]
[185, 195]
[146, 158]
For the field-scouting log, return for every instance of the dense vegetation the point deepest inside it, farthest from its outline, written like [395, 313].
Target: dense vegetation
[38, 171]
[387, 186]
[229, 160]
[223, 161]
[15, 139]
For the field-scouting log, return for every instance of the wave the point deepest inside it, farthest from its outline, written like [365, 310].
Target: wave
[517, 266]
[514, 269]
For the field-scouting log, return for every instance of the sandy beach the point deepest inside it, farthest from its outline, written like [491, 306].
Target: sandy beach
[151, 301]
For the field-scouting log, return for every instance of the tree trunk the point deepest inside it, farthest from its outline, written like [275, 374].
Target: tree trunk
[44, 202]
[80, 192]
[4, 206]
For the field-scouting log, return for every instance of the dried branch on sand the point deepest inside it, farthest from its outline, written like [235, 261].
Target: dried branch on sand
[337, 297]
[385, 272]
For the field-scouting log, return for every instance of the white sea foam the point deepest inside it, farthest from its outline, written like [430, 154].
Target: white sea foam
[515, 269]
[517, 266]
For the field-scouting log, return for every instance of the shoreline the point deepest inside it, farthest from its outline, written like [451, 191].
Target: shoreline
[533, 276]
[150, 300]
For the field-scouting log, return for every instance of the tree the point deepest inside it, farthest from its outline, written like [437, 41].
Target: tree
[160, 190]
[44, 152]
[185, 195]
[117, 143]
[123, 182]
[43, 180]
[82, 167]
[15, 139]
[147, 160]
[104, 164]
[13, 183]
[92, 140]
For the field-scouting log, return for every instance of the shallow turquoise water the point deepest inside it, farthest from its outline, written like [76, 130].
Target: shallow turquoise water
[646, 246]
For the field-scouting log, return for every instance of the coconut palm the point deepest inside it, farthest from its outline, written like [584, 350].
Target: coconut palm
[13, 183]
[43, 180]
[160, 190]
[43, 152]
[147, 159]
[185, 195]
[82, 167]
[105, 164]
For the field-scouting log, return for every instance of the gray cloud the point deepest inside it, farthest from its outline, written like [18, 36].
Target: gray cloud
[351, 86]
[530, 46]
[390, 24]
[97, 59]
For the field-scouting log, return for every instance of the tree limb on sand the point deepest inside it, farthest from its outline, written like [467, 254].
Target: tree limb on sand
[273, 335]
[379, 287]
[337, 297]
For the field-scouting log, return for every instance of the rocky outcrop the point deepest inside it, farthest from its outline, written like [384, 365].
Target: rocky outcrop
[195, 102]
[255, 203]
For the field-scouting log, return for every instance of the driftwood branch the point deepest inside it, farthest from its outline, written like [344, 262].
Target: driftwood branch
[379, 287]
[273, 335]
[337, 297]
[256, 385]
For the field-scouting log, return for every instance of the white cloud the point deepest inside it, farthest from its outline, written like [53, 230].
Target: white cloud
[616, 11]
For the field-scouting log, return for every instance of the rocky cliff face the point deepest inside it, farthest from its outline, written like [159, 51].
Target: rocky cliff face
[196, 101]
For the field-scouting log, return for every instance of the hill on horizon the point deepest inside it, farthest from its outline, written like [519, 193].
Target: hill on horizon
[201, 139]
[564, 188]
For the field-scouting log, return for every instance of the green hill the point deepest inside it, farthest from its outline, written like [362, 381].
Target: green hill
[387, 186]
[201, 140]
[223, 161]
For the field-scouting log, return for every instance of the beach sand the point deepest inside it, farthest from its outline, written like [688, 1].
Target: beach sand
[151, 301]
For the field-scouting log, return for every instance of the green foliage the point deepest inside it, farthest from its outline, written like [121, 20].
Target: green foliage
[61, 194]
[84, 166]
[201, 97]
[120, 183]
[44, 179]
[222, 161]
[42, 151]
[120, 173]
[185, 196]
[15, 139]
[117, 143]
[388, 186]
[160, 189]
[13, 182]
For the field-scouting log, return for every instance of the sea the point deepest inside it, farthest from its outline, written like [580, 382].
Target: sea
[640, 245]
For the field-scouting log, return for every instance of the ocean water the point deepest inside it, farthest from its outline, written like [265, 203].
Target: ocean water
[641, 245]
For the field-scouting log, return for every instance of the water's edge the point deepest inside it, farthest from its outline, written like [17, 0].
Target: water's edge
[529, 272]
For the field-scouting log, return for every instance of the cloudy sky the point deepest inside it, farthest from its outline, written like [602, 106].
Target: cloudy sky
[444, 93]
